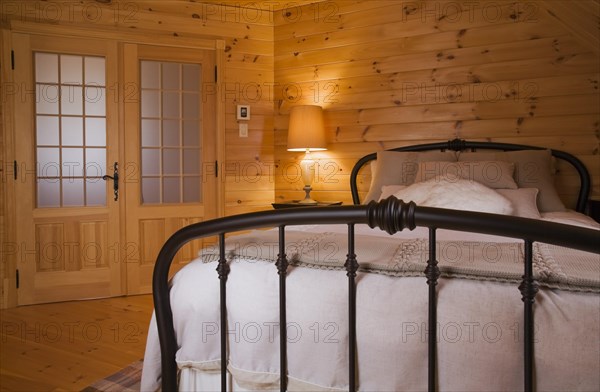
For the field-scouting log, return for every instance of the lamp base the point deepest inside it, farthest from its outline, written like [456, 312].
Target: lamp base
[307, 199]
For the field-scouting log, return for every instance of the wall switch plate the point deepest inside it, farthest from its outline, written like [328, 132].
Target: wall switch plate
[243, 130]
[243, 112]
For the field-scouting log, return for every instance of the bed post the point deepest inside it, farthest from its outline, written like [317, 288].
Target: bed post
[164, 314]
[351, 268]
[282, 264]
[529, 289]
[432, 272]
[223, 271]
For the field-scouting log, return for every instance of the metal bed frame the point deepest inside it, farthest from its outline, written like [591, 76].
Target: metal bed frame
[391, 215]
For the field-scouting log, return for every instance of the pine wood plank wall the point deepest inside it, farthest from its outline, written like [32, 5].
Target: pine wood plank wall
[392, 73]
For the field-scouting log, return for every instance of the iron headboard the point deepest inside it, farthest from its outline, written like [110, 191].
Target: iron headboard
[461, 145]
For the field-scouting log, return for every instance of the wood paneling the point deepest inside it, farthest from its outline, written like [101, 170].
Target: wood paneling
[395, 73]
[152, 236]
[94, 237]
[581, 18]
[154, 233]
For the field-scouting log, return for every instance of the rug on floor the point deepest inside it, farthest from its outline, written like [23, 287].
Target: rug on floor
[125, 380]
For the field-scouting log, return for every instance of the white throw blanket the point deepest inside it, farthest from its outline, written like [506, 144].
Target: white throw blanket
[553, 266]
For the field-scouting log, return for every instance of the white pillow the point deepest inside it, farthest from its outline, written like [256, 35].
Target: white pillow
[523, 200]
[389, 190]
[456, 194]
[533, 169]
[571, 218]
[400, 167]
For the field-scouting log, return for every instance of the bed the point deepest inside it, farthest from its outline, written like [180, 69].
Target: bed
[469, 237]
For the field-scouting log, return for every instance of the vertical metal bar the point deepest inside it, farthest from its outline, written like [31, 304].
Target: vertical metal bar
[351, 268]
[432, 272]
[529, 289]
[223, 271]
[282, 264]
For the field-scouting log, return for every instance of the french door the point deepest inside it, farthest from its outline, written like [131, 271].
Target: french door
[170, 152]
[66, 138]
[115, 147]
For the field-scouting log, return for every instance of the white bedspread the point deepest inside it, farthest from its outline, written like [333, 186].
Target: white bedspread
[479, 329]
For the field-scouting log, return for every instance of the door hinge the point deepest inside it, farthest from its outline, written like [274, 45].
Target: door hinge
[17, 277]
[215, 74]
[216, 168]
[15, 167]
[12, 59]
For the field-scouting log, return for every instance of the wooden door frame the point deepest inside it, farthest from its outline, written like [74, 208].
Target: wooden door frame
[8, 260]
[8, 251]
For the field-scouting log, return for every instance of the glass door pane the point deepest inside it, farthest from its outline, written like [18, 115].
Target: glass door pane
[70, 129]
[170, 127]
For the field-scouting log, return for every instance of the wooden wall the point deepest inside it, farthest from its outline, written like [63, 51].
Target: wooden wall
[392, 73]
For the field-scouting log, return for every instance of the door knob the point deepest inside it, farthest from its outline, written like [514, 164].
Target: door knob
[115, 178]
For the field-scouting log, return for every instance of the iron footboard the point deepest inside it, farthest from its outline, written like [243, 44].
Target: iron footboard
[391, 215]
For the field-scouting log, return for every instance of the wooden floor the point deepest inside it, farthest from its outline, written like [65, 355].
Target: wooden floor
[66, 346]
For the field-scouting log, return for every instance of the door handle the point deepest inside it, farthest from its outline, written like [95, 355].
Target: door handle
[115, 178]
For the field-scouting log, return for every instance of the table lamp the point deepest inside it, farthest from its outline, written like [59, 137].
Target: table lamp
[306, 132]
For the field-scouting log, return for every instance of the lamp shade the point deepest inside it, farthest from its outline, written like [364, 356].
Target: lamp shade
[306, 131]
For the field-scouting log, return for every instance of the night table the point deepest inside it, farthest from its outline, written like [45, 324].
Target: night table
[296, 203]
[594, 207]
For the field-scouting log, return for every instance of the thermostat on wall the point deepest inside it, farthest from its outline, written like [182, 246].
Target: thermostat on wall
[243, 112]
